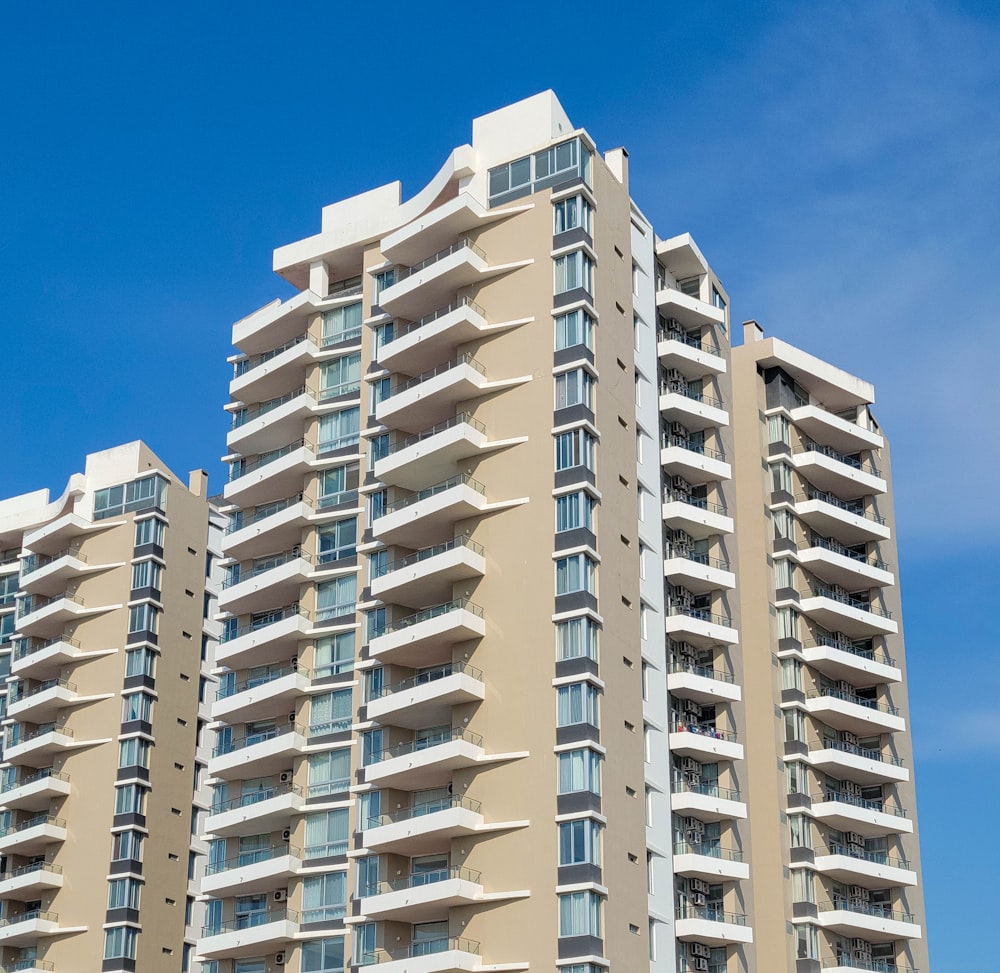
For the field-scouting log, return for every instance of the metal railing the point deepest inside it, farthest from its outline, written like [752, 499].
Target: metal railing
[272, 618]
[427, 552]
[675, 496]
[711, 913]
[462, 479]
[707, 789]
[29, 917]
[15, 738]
[252, 739]
[422, 810]
[850, 506]
[245, 465]
[720, 675]
[847, 961]
[19, 966]
[858, 751]
[829, 642]
[702, 614]
[447, 735]
[263, 566]
[464, 243]
[875, 857]
[699, 558]
[680, 725]
[243, 365]
[435, 611]
[251, 515]
[845, 458]
[463, 418]
[35, 562]
[843, 598]
[428, 676]
[463, 359]
[242, 416]
[226, 692]
[840, 797]
[36, 821]
[434, 315]
[44, 774]
[866, 909]
[35, 603]
[29, 869]
[709, 849]
[256, 796]
[828, 544]
[425, 878]
[15, 695]
[665, 334]
[692, 446]
[856, 700]
[250, 921]
[427, 947]
[34, 645]
[247, 858]
[681, 388]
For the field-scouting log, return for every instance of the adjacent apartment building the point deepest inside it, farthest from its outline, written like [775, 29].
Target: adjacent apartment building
[102, 607]
[557, 634]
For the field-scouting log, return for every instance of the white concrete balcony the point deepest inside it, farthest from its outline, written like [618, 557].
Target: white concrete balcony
[845, 521]
[426, 637]
[710, 862]
[846, 963]
[700, 627]
[430, 956]
[430, 455]
[30, 882]
[681, 256]
[836, 564]
[426, 763]
[693, 410]
[269, 424]
[249, 935]
[848, 761]
[875, 923]
[42, 702]
[272, 637]
[705, 686]
[273, 526]
[41, 658]
[712, 926]
[837, 611]
[276, 692]
[694, 358]
[703, 742]
[432, 397]
[707, 802]
[279, 322]
[251, 872]
[34, 790]
[258, 811]
[280, 576]
[698, 464]
[62, 533]
[25, 928]
[427, 698]
[424, 827]
[51, 574]
[699, 573]
[427, 895]
[277, 473]
[45, 618]
[260, 754]
[269, 374]
[429, 574]
[835, 472]
[688, 311]
[847, 711]
[418, 519]
[700, 518]
[847, 812]
[435, 337]
[431, 282]
[824, 427]
[38, 746]
[871, 870]
[840, 659]
[33, 835]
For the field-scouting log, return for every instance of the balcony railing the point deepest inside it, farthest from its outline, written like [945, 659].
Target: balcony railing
[852, 461]
[29, 916]
[32, 646]
[34, 822]
[252, 739]
[463, 359]
[272, 618]
[672, 496]
[426, 947]
[866, 909]
[868, 965]
[711, 913]
[428, 676]
[44, 774]
[249, 464]
[18, 966]
[36, 603]
[858, 751]
[15, 736]
[250, 921]
[35, 562]
[256, 796]
[829, 544]
[871, 704]
[16, 695]
[875, 857]
[462, 479]
[424, 878]
[709, 849]
[427, 552]
[681, 388]
[702, 614]
[843, 598]
[720, 675]
[692, 446]
[706, 789]
[463, 418]
[840, 797]
[423, 809]
[243, 365]
[435, 611]
[233, 689]
[247, 858]
[463, 244]
[698, 558]
[251, 515]
[29, 869]
[244, 415]
[850, 506]
[434, 315]
[681, 725]
[264, 565]
[842, 645]
[447, 735]
[665, 334]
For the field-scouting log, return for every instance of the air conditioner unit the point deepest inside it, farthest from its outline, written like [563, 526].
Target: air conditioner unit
[279, 895]
[279, 959]
[677, 429]
[863, 955]
[698, 885]
[861, 944]
[699, 950]
[699, 898]
[285, 777]
[853, 838]
[674, 326]
[680, 484]
[286, 835]
[692, 777]
[690, 766]
[690, 706]
[849, 738]
[698, 828]
[674, 375]
[701, 964]
[293, 663]
[855, 891]
[291, 717]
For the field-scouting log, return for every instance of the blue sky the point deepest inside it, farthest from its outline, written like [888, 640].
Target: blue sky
[839, 163]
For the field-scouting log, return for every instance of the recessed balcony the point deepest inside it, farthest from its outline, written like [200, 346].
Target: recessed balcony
[844, 520]
[278, 472]
[426, 699]
[698, 572]
[693, 357]
[270, 637]
[25, 928]
[702, 684]
[712, 925]
[431, 397]
[428, 956]
[431, 282]
[841, 659]
[250, 934]
[417, 519]
[267, 424]
[273, 526]
[430, 455]
[251, 872]
[707, 801]
[847, 812]
[699, 518]
[704, 742]
[258, 811]
[856, 714]
[434, 337]
[429, 573]
[710, 862]
[30, 881]
[38, 746]
[825, 427]
[259, 754]
[259, 378]
[838, 611]
[426, 637]
[41, 703]
[837, 564]
[856, 866]
[695, 462]
[423, 896]
[34, 790]
[423, 827]
[830, 470]
[875, 923]
[426, 762]
[688, 311]
[281, 576]
[859, 764]
[33, 836]
[694, 410]
[700, 627]
[43, 658]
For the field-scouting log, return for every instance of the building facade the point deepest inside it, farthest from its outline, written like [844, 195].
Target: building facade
[484, 663]
[102, 611]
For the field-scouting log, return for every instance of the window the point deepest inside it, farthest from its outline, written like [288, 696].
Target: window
[795, 728]
[575, 448]
[382, 334]
[330, 772]
[130, 799]
[149, 532]
[378, 448]
[133, 752]
[576, 703]
[331, 712]
[322, 955]
[6, 627]
[511, 176]
[123, 893]
[784, 524]
[137, 706]
[377, 503]
[340, 376]
[576, 638]
[580, 770]
[779, 430]
[364, 944]
[580, 914]
[575, 573]
[375, 623]
[788, 623]
[143, 618]
[791, 674]
[119, 942]
[342, 324]
[254, 965]
[338, 485]
[140, 662]
[579, 842]
[126, 497]
[334, 655]
[126, 846]
[327, 833]
[575, 510]
[8, 589]
[781, 477]
[784, 573]
[575, 387]
[337, 597]
[146, 574]
[571, 213]
[324, 897]
[339, 429]
[337, 541]
[574, 328]
[574, 270]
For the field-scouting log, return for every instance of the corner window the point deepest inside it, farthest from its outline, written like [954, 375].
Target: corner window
[576, 573]
[579, 770]
[580, 914]
[575, 510]
[576, 638]
[575, 387]
[342, 324]
[574, 328]
[572, 213]
[576, 704]
[575, 448]
[580, 842]
[573, 270]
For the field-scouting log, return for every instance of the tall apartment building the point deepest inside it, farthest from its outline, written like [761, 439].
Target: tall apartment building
[101, 614]
[490, 694]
